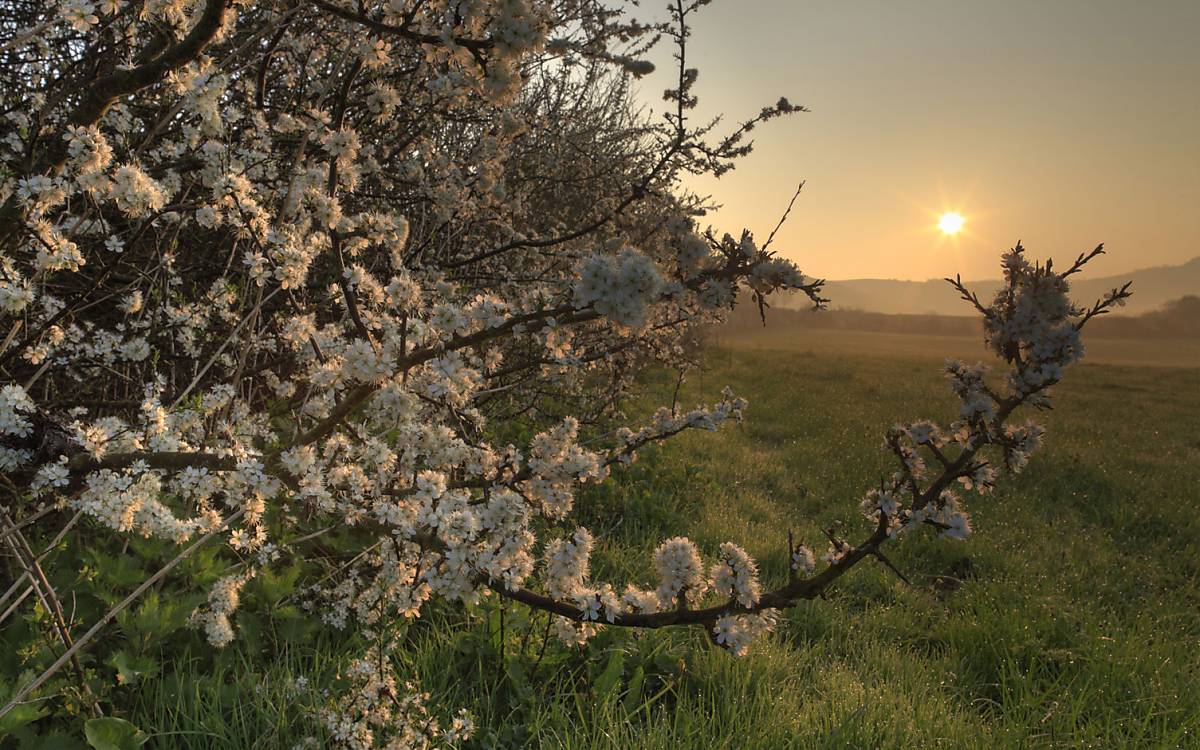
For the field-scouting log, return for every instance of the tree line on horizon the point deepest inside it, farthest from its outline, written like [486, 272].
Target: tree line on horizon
[1179, 318]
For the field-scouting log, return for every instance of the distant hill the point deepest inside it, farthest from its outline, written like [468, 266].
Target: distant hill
[1178, 319]
[1153, 288]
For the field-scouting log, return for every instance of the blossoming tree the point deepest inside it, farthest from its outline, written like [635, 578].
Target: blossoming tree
[275, 269]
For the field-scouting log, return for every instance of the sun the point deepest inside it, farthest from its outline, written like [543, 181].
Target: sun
[951, 222]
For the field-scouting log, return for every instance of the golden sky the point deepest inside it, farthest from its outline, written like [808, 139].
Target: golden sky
[1063, 123]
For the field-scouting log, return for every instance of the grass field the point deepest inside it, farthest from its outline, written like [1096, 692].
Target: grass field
[1152, 352]
[1070, 619]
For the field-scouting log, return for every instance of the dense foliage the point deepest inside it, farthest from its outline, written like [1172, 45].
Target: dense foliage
[281, 273]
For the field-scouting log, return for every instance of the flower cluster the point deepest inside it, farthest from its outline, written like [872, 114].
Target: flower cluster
[557, 464]
[15, 409]
[132, 501]
[803, 560]
[680, 572]
[135, 193]
[737, 632]
[89, 152]
[567, 563]
[736, 576]
[1033, 324]
[375, 710]
[621, 286]
[223, 600]
[1034, 327]
[666, 423]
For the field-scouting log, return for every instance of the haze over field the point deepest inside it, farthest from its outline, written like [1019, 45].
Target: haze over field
[1153, 288]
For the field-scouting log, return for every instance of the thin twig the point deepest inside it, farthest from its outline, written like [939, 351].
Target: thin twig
[783, 219]
[112, 613]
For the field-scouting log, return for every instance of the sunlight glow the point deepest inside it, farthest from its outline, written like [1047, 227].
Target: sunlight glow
[951, 222]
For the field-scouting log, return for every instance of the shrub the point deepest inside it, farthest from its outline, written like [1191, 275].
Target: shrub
[277, 275]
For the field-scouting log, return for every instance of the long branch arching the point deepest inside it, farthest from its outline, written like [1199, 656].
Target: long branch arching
[783, 597]
[888, 526]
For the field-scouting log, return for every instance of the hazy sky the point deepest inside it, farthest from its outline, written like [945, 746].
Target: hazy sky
[1063, 123]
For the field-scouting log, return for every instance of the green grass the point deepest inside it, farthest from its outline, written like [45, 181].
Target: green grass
[794, 336]
[1070, 619]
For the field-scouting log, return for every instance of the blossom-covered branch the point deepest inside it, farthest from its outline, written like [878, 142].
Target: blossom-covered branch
[1031, 323]
[393, 268]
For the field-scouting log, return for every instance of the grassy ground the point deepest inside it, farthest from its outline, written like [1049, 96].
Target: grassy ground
[1070, 619]
[1153, 352]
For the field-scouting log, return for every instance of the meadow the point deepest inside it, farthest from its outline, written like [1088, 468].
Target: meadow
[1157, 351]
[1070, 618]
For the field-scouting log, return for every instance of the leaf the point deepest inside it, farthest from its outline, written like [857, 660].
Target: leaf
[19, 716]
[608, 681]
[671, 663]
[202, 568]
[250, 630]
[22, 713]
[291, 625]
[111, 733]
[518, 678]
[131, 668]
[633, 698]
[276, 585]
[136, 622]
[116, 572]
[156, 618]
[52, 741]
[494, 618]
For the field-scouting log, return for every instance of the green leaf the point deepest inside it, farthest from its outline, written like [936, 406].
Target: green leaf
[111, 733]
[518, 678]
[131, 668]
[134, 621]
[19, 716]
[667, 662]
[250, 630]
[156, 618]
[52, 741]
[116, 572]
[633, 698]
[202, 568]
[276, 585]
[608, 681]
[291, 625]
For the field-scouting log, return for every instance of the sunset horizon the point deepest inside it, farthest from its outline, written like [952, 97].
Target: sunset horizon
[1064, 125]
[995, 274]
